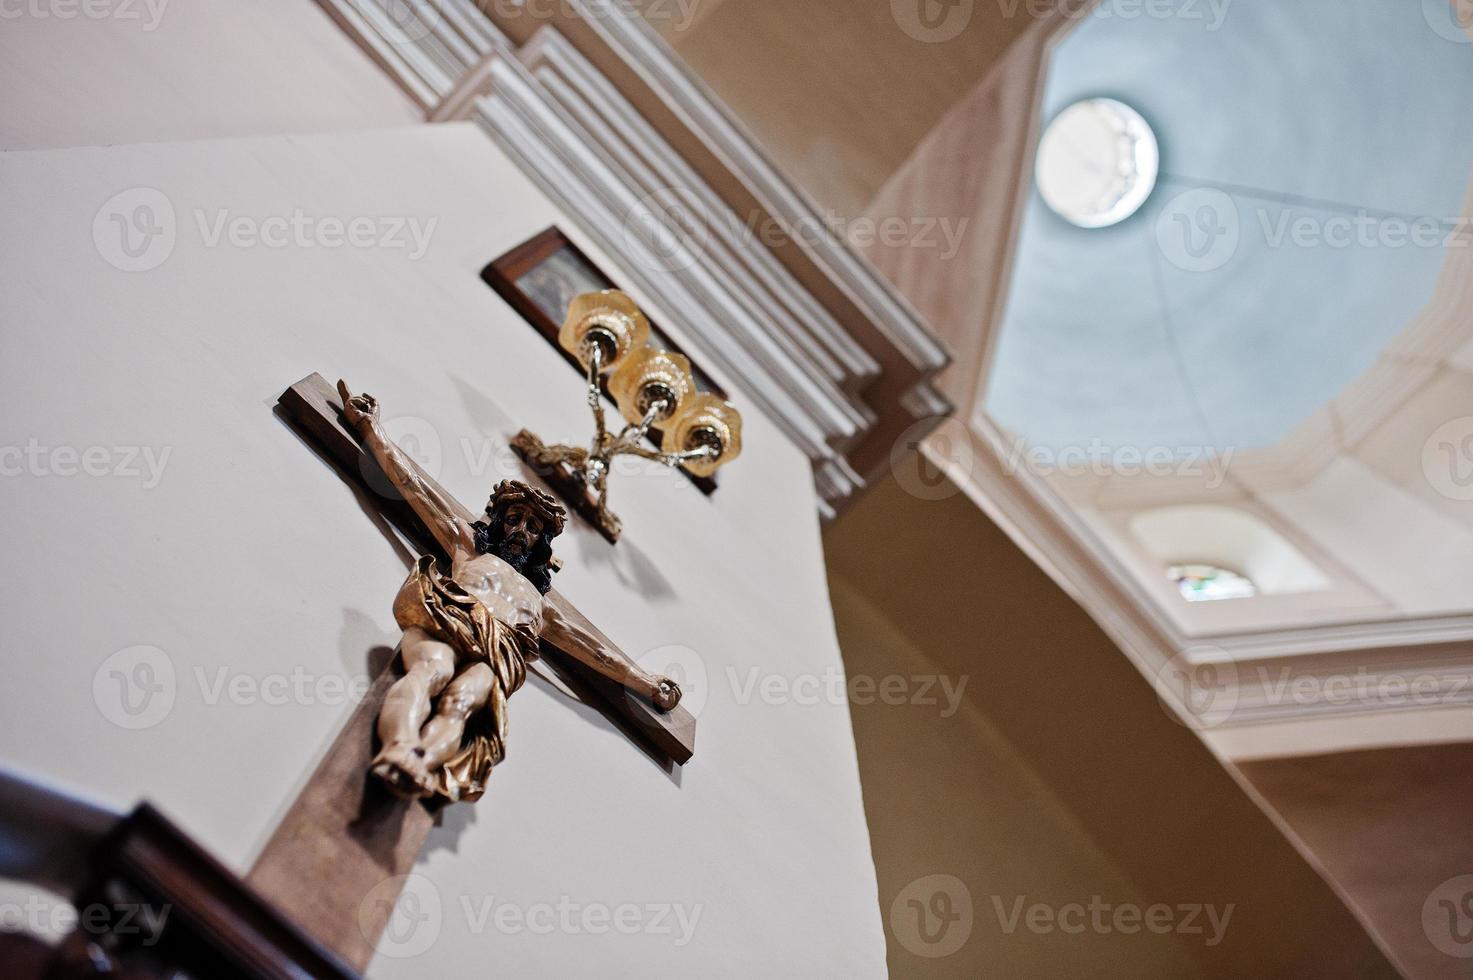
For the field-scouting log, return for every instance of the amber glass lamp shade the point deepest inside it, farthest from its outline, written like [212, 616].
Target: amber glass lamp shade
[648, 376]
[608, 320]
[705, 420]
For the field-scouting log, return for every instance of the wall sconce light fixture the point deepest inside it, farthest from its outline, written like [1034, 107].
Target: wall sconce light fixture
[652, 388]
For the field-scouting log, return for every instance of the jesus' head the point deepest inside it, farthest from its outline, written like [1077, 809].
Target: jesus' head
[520, 523]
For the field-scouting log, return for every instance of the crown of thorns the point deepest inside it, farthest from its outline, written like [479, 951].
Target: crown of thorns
[541, 503]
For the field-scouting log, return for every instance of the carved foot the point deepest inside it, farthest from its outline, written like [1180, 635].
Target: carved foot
[401, 767]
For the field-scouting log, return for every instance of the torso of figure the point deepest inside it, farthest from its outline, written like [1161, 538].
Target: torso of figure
[500, 588]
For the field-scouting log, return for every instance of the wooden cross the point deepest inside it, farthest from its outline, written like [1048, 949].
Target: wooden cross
[345, 834]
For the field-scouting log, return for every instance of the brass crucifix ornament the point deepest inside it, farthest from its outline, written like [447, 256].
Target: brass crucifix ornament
[471, 627]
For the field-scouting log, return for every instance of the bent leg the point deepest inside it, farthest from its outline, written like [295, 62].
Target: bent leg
[428, 666]
[466, 694]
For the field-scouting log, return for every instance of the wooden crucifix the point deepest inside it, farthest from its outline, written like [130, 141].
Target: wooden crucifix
[476, 610]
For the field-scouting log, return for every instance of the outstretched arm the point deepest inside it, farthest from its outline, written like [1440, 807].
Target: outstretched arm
[361, 412]
[577, 640]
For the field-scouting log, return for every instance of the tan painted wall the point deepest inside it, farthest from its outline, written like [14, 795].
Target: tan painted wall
[950, 795]
[839, 92]
[1063, 779]
[1391, 825]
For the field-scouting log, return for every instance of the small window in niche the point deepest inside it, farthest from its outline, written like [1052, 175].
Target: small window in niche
[1205, 583]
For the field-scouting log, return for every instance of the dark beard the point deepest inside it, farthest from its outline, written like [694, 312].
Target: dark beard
[530, 564]
[518, 560]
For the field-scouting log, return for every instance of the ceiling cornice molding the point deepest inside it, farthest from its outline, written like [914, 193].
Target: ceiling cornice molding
[1316, 658]
[425, 47]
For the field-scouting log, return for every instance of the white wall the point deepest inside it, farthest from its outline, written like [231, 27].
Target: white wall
[252, 558]
[151, 70]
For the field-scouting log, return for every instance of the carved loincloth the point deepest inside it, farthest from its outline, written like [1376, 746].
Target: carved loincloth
[438, 605]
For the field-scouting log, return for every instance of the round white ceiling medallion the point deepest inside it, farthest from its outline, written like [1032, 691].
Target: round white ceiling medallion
[1097, 163]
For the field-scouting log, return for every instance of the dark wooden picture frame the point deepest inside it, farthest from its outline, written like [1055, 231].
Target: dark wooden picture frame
[508, 274]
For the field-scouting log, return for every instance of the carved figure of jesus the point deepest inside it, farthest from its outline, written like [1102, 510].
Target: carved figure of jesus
[470, 631]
